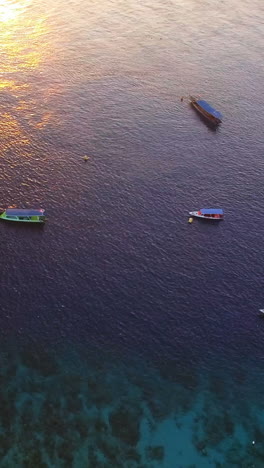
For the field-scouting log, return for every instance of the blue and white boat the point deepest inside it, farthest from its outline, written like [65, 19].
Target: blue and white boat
[206, 110]
[23, 215]
[215, 214]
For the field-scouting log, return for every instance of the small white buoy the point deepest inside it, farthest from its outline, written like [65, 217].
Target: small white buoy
[253, 442]
[190, 220]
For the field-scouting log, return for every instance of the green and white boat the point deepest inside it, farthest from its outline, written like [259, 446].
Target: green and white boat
[24, 216]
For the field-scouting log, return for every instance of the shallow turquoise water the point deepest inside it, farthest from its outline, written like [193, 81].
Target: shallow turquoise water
[68, 409]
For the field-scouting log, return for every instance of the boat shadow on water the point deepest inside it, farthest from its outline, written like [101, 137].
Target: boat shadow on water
[210, 125]
[207, 222]
[23, 227]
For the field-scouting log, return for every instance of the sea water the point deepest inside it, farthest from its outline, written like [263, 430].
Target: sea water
[130, 338]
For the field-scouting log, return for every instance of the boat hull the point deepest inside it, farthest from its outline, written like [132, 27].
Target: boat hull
[197, 215]
[23, 220]
[23, 216]
[209, 117]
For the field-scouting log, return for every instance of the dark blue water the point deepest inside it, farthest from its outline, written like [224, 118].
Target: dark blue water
[117, 300]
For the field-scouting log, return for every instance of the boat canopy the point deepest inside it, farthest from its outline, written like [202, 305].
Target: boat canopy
[21, 212]
[210, 109]
[211, 211]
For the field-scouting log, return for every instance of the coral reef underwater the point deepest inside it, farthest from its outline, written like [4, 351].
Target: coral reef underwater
[100, 413]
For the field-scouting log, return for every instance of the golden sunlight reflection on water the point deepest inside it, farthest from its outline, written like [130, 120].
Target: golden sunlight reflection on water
[24, 48]
[9, 10]
[64, 64]
[21, 37]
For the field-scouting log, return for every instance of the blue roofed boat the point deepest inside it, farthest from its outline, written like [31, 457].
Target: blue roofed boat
[215, 214]
[206, 110]
[23, 215]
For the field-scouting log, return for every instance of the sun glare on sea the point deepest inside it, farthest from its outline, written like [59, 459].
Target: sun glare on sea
[25, 49]
[9, 10]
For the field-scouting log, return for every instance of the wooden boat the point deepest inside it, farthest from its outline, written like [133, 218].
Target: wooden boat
[25, 216]
[214, 214]
[206, 110]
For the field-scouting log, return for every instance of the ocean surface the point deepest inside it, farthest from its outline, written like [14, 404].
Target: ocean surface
[130, 338]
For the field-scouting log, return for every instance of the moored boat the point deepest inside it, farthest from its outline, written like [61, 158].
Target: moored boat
[24, 215]
[206, 110]
[215, 214]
